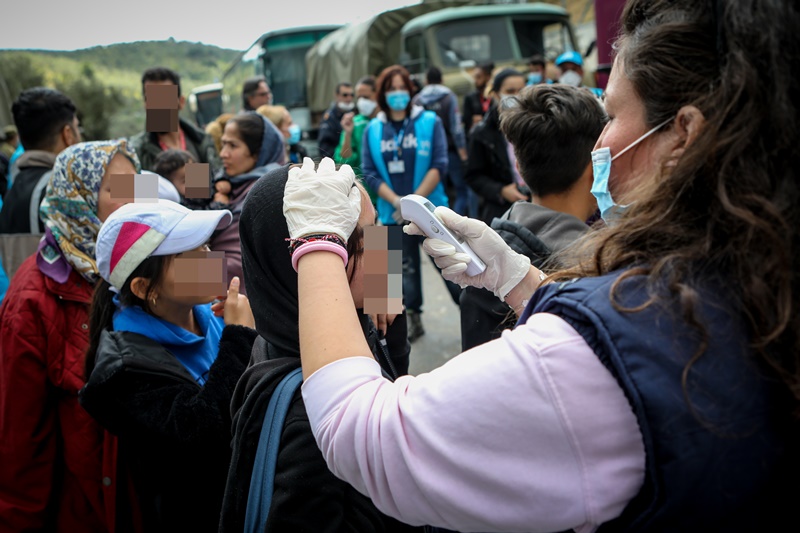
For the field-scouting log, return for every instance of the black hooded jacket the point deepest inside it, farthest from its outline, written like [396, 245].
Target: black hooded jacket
[531, 230]
[307, 497]
[174, 435]
[489, 169]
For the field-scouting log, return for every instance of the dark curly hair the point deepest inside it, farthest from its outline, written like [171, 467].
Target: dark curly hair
[730, 208]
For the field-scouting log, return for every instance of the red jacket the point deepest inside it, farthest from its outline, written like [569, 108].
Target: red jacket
[57, 464]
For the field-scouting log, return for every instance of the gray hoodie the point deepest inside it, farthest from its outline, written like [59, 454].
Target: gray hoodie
[444, 103]
[534, 231]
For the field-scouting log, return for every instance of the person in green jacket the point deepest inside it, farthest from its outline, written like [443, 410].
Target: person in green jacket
[353, 127]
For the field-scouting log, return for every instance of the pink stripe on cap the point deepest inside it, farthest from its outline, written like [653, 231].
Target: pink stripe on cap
[129, 233]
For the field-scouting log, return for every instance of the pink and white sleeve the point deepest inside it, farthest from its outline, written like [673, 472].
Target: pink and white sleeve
[529, 432]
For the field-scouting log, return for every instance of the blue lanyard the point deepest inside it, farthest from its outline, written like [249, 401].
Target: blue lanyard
[398, 139]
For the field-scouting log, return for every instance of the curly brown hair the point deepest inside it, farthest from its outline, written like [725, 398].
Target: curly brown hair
[729, 210]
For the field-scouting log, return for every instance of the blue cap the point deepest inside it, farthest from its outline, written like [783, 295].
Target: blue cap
[570, 56]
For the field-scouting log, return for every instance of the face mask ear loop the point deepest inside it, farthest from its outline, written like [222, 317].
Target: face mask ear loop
[643, 137]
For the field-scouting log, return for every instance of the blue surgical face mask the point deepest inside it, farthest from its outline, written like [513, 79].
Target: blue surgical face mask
[534, 78]
[294, 134]
[601, 169]
[398, 100]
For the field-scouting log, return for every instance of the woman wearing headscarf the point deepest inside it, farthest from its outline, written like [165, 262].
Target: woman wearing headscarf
[307, 496]
[57, 462]
[251, 146]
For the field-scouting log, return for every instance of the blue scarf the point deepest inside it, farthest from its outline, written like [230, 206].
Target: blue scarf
[195, 353]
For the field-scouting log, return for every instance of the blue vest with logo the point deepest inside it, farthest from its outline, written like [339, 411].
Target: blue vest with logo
[423, 130]
[722, 464]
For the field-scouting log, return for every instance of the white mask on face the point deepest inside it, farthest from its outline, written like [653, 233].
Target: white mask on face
[366, 106]
[572, 78]
[346, 106]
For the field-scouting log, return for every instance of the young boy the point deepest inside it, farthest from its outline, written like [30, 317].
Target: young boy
[171, 164]
[553, 129]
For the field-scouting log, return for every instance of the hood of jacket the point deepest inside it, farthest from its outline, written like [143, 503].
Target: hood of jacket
[432, 93]
[538, 232]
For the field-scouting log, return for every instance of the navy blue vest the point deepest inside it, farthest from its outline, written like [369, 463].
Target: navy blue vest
[722, 464]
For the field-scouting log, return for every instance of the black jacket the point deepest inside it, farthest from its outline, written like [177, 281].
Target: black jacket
[173, 434]
[531, 230]
[24, 197]
[330, 129]
[472, 106]
[489, 169]
[307, 497]
[198, 143]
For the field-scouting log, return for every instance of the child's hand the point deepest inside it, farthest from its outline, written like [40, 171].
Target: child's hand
[221, 198]
[235, 308]
[223, 186]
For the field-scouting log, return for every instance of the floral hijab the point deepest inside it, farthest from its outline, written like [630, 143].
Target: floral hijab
[69, 208]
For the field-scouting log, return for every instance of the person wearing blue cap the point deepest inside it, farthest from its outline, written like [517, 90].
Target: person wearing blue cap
[570, 64]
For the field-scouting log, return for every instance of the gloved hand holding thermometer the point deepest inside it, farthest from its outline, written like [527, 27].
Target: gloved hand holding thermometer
[505, 269]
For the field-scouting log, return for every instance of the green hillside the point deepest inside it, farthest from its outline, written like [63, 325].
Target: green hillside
[113, 71]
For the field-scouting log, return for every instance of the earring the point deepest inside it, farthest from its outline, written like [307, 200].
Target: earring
[153, 301]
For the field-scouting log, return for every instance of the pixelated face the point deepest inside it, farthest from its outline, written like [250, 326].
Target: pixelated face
[236, 157]
[162, 104]
[196, 180]
[195, 277]
[120, 172]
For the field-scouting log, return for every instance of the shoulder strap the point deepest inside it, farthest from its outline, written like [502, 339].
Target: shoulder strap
[263, 477]
[36, 199]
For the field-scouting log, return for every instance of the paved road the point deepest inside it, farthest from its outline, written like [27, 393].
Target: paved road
[442, 322]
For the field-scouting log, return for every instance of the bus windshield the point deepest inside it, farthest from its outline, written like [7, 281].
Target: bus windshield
[501, 38]
[284, 60]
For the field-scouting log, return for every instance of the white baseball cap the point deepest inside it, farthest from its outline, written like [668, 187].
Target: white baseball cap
[137, 231]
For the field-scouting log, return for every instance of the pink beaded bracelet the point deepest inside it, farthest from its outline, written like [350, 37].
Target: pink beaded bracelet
[315, 246]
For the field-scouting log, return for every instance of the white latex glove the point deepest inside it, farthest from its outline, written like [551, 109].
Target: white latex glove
[505, 268]
[321, 201]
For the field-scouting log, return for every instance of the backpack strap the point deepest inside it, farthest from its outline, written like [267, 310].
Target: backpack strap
[36, 199]
[262, 479]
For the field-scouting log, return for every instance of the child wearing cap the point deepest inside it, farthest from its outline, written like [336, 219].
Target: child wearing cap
[162, 363]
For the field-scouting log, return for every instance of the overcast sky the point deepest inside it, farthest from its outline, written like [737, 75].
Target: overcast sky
[74, 24]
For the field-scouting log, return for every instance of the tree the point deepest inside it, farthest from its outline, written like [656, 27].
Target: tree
[95, 101]
[17, 73]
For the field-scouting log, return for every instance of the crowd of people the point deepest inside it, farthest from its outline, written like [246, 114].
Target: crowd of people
[631, 351]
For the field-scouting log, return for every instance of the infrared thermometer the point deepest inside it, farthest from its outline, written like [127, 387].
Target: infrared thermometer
[419, 210]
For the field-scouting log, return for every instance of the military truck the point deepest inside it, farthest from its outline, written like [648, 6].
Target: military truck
[454, 36]
[457, 39]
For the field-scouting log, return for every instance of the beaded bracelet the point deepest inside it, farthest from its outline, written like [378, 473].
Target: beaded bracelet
[294, 244]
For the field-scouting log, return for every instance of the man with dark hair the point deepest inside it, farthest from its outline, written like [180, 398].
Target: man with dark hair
[538, 72]
[330, 129]
[476, 103]
[47, 123]
[553, 129]
[186, 136]
[255, 93]
[444, 102]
